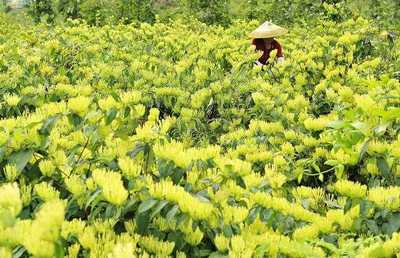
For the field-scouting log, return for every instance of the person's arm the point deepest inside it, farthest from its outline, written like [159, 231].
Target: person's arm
[258, 63]
[279, 54]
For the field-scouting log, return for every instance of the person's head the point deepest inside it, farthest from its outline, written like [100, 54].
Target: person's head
[262, 44]
[268, 42]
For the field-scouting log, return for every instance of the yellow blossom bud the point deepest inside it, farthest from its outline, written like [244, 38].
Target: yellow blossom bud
[47, 168]
[11, 173]
[112, 187]
[79, 105]
[10, 199]
[46, 192]
[12, 100]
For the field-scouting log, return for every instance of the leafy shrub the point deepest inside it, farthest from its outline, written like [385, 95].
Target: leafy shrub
[94, 12]
[165, 140]
[210, 12]
[42, 10]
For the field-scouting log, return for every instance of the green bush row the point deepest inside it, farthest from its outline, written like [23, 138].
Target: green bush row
[220, 12]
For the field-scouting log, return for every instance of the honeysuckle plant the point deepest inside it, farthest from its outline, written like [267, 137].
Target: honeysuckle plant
[127, 141]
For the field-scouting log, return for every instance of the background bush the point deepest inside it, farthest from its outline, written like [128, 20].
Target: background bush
[220, 12]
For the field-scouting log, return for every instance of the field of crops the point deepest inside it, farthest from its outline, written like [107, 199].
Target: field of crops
[164, 140]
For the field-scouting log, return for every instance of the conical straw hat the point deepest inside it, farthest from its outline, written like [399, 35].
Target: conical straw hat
[268, 30]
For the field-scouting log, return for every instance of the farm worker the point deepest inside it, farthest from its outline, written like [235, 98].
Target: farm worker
[263, 39]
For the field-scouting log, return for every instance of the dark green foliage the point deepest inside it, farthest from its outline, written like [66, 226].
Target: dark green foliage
[94, 12]
[42, 10]
[284, 12]
[210, 11]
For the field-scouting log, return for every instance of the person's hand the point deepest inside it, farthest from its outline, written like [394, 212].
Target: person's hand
[280, 59]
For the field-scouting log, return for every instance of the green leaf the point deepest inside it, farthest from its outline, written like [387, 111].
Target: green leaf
[316, 167]
[138, 148]
[97, 209]
[363, 150]
[392, 114]
[383, 167]
[331, 162]
[329, 246]
[178, 238]
[252, 215]
[261, 250]
[172, 212]
[267, 215]
[353, 138]
[18, 252]
[142, 222]
[218, 255]
[380, 129]
[74, 119]
[372, 226]
[393, 224]
[227, 230]
[48, 125]
[20, 159]
[202, 252]
[339, 171]
[111, 115]
[2, 153]
[115, 96]
[336, 124]
[59, 250]
[181, 218]
[92, 197]
[129, 206]
[147, 205]
[300, 177]
[158, 208]
[321, 177]
[359, 125]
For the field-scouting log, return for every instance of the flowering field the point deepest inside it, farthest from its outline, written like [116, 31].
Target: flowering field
[165, 140]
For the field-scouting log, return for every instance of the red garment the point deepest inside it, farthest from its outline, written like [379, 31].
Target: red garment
[259, 43]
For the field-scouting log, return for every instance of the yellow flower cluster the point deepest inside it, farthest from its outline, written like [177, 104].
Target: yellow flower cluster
[385, 197]
[111, 186]
[350, 189]
[10, 200]
[81, 149]
[187, 203]
[160, 248]
[285, 207]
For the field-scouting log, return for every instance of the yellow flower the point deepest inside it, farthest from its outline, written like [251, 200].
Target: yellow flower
[316, 124]
[73, 251]
[10, 198]
[351, 189]
[108, 103]
[111, 185]
[156, 246]
[46, 192]
[187, 203]
[79, 105]
[388, 197]
[306, 233]
[47, 168]
[221, 242]
[274, 178]
[11, 173]
[131, 97]
[72, 228]
[126, 250]
[5, 252]
[12, 100]
[75, 185]
[129, 167]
